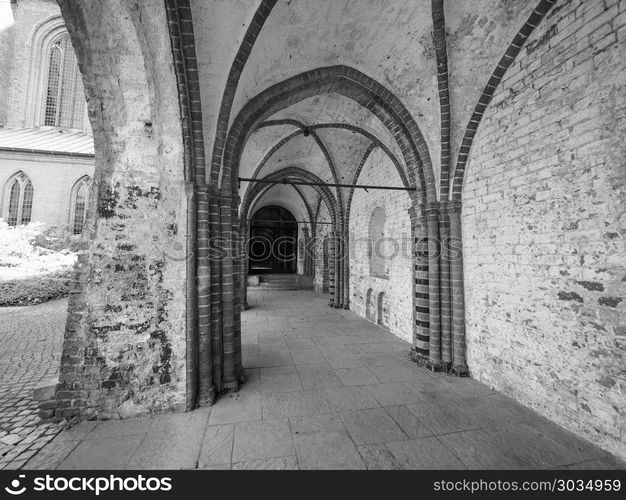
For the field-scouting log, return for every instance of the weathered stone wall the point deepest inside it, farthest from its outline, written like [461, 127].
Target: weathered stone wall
[124, 348]
[544, 223]
[379, 170]
[321, 271]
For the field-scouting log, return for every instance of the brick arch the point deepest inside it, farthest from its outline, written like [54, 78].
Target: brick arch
[356, 86]
[350, 83]
[293, 173]
[285, 140]
[507, 59]
[320, 145]
[257, 199]
[230, 89]
[307, 228]
[325, 194]
[376, 142]
[338, 125]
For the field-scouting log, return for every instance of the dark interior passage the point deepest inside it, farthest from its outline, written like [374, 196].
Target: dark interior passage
[273, 241]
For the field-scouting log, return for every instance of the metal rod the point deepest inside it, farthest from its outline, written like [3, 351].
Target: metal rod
[328, 184]
[288, 221]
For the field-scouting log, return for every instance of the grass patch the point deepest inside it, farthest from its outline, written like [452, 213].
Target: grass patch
[36, 263]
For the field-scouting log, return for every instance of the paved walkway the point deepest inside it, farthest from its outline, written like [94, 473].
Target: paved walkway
[328, 389]
[30, 350]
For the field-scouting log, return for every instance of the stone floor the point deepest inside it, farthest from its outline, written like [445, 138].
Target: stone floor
[328, 389]
[30, 340]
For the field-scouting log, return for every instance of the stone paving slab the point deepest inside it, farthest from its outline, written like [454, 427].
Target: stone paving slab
[319, 396]
[31, 338]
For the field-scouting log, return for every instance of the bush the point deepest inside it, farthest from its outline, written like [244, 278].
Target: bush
[36, 263]
[35, 290]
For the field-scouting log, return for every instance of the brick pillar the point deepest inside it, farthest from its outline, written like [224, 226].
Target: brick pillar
[206, 389]
[338, 270]
[238, 278]
[307, 263]
[432, 221]
[244, 263]
[444, 286]
[216, 290]
[191, 309]
[345, 256]
[229, 380]
[421, 304]
[331, 269]
[459, 365]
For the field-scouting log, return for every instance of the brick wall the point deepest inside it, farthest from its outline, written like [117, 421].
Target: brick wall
[321, 274]
[379, 170]
[52, 178]
[544, 222]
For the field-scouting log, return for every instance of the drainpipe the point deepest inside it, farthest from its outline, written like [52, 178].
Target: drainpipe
[191, 329]
[459, 366]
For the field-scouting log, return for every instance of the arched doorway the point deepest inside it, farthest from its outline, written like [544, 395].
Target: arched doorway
[272, 247]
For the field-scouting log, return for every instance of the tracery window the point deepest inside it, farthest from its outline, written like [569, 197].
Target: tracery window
[64, 98]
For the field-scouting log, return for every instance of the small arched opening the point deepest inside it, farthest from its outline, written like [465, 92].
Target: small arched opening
[370, 305]
[376, 252]
[383, 310]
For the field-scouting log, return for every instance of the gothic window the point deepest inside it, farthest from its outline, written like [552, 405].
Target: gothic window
[78, 203]
[20, 195]
[64, 99]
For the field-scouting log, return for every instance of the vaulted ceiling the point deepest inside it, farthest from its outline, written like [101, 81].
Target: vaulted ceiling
[244, 47]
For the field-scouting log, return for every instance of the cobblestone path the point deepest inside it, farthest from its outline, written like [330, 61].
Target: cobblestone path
[30, 351]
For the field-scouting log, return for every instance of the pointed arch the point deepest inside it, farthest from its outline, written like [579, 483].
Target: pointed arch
[18, 195]
[345, 81]
[54, 94]
[79, 201]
